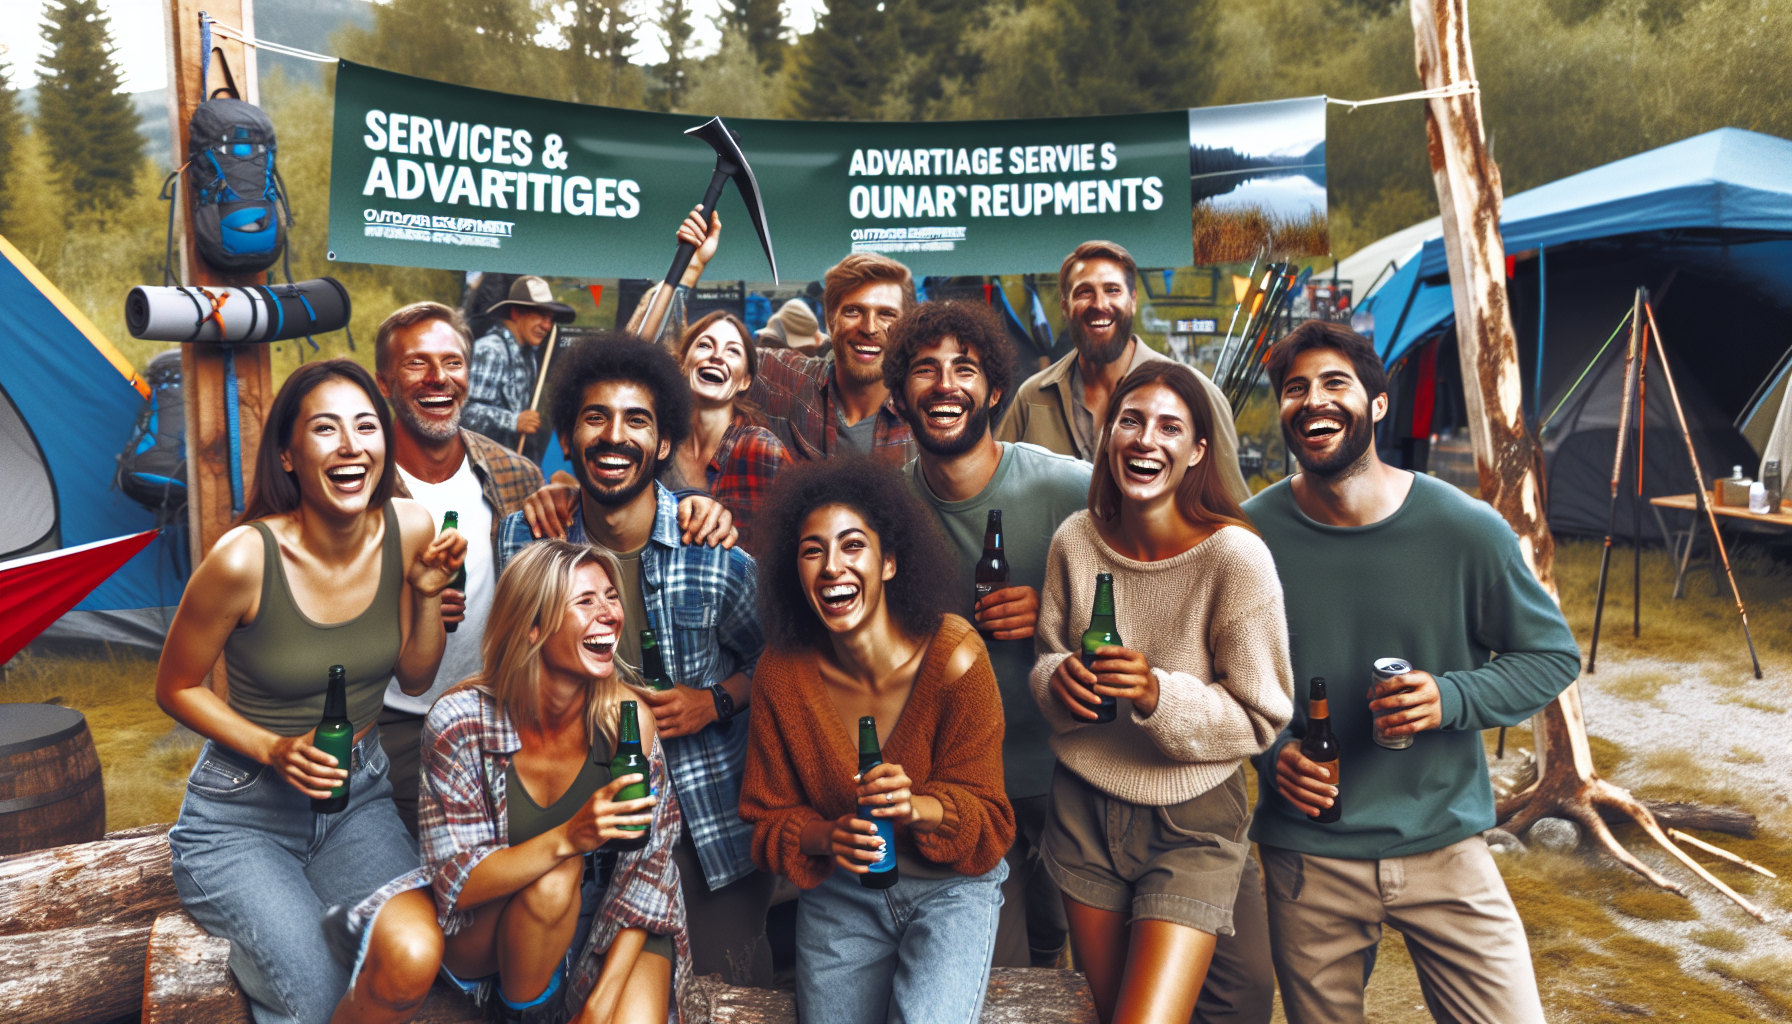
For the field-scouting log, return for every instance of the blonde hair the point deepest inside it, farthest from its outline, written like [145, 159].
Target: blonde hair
[533, 593]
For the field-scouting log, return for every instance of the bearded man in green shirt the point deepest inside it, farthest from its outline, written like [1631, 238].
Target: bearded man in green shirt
[1377, 562]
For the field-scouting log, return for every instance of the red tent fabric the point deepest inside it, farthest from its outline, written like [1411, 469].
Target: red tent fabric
[36, 590]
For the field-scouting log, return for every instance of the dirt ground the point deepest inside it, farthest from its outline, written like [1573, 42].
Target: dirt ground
[1674, 714]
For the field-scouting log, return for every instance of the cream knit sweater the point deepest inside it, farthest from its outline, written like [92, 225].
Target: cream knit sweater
[1210, 623]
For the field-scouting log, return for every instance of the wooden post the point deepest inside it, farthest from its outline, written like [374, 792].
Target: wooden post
[203, 366]
[1508, 458]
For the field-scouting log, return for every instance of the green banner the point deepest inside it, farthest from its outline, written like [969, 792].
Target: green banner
[425, 174]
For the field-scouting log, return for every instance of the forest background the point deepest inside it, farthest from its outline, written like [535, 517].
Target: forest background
[1566, 85]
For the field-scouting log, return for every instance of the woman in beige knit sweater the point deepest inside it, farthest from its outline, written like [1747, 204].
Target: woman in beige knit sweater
[1149, 811]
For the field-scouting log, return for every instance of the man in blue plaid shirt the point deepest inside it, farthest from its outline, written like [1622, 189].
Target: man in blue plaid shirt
[507, 360]
[621, 407]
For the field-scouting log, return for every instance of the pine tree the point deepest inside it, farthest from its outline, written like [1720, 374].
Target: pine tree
[12, 127]
[845, 66]
[761, 22]
[674, 75]
[599, 37]
[88, 125]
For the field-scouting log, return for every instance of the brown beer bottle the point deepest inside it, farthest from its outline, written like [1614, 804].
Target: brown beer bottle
[992, 568]
[1320, 746]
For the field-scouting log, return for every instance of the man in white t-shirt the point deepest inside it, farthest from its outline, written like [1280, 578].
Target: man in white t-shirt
[421, 356]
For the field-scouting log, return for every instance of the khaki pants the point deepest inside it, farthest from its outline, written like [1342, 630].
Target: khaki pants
[1464, 935]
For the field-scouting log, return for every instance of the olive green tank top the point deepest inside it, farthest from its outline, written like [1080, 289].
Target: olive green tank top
[279, 665]
[529, 819]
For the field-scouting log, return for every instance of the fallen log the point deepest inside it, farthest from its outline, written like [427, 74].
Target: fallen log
[141, 831]
[1668, 814]
[1016, 996]
[109, 882]
[187, 980]
[72, 975]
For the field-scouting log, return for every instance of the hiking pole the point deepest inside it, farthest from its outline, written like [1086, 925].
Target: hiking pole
[1717, 537]
[1611, 517]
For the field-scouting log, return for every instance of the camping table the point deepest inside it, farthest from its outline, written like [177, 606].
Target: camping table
[1690, 503]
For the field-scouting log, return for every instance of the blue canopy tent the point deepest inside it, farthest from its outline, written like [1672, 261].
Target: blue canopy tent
[68, 401]
[1706, 225]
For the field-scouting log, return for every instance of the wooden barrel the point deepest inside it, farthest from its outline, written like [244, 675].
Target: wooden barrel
[50, 791]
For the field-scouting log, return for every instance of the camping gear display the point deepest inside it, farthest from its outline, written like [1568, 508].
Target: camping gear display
[236, 189]
[258, 313]
[731, 163]
[152, 469]
[49, 765]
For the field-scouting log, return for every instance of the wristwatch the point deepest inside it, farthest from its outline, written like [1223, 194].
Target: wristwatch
[724, 706]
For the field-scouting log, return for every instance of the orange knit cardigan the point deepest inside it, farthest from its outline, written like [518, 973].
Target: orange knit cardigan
[948, 738]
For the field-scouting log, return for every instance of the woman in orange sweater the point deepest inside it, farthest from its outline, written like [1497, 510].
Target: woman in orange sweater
[853, 590]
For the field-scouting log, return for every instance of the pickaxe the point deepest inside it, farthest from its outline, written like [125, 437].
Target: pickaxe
[730, 163]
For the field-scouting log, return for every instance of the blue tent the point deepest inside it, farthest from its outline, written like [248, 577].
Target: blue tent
[1685, 196]
[1706, 225]
[68, 401]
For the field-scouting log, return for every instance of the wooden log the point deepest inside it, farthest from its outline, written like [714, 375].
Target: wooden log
[187, 980]
[127, 881]
[160, 828]
[1728, 820]
[72, 975]
[1016, 996]
[186, 976]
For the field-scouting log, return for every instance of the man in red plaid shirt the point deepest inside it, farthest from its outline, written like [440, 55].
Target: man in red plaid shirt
[837, 402]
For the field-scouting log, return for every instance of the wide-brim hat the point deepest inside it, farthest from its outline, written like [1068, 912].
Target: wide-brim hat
[800, 326]
[532, 292]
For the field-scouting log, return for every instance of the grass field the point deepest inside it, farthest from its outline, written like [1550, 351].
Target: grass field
[1239, 235]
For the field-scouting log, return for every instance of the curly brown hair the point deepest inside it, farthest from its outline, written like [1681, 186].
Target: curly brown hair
[926, 570]
[974, 324]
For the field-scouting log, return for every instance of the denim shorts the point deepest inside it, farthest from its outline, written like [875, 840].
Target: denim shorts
[1179, 863]
[254, 864]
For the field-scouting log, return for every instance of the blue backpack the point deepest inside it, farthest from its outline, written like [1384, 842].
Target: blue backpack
[235, 187]
[152, 469]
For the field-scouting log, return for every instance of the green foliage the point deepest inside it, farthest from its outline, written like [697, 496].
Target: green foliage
[844, 67]
[94, 145]
[761, 23]
[732, 82]
[673, 79]
[12, 130]
[489, 44]
[599, 35]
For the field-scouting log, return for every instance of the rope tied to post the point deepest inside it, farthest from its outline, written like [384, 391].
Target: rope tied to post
[1441, 92]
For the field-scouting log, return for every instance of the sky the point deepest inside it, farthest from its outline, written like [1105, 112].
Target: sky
[142, 51]
[1257, 129]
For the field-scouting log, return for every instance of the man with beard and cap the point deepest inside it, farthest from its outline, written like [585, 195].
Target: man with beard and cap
[507, 361]
[621, 407]
[826, 405]
[420, 356]
[1377, 562]
[1062, 407]
[950, 368]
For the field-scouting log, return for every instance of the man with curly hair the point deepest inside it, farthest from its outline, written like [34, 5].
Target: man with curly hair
[950, 368]
[620, 408]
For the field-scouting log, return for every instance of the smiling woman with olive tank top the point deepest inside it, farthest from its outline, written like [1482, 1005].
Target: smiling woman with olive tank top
[324, 568]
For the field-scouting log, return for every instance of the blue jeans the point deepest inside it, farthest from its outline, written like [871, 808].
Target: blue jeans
[255, 865]
[915, 953]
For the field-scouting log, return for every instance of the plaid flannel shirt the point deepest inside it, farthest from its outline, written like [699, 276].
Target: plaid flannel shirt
[463, 817]
[702, 606]
[800, 391]
[505, 479]
[745, 464]
[500, 384]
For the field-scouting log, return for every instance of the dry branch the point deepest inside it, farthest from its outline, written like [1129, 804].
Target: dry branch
[1721, 852]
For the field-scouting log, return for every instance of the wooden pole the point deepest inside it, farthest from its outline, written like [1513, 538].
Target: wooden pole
[204, 367]
[1508, 459]
[1611, 517]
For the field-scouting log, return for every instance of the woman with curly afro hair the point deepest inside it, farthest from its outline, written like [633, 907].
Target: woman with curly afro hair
[853, 589]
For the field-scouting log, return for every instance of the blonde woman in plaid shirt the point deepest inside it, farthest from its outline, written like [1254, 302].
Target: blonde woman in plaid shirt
[554, 924]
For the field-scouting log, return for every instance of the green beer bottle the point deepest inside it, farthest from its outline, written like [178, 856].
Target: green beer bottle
[451, 521]
[653, 664]
[336, 737]
[630, 761]
[883, 870]
[1101, 633]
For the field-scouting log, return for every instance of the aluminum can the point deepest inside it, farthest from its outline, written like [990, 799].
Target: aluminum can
[1382, 671]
